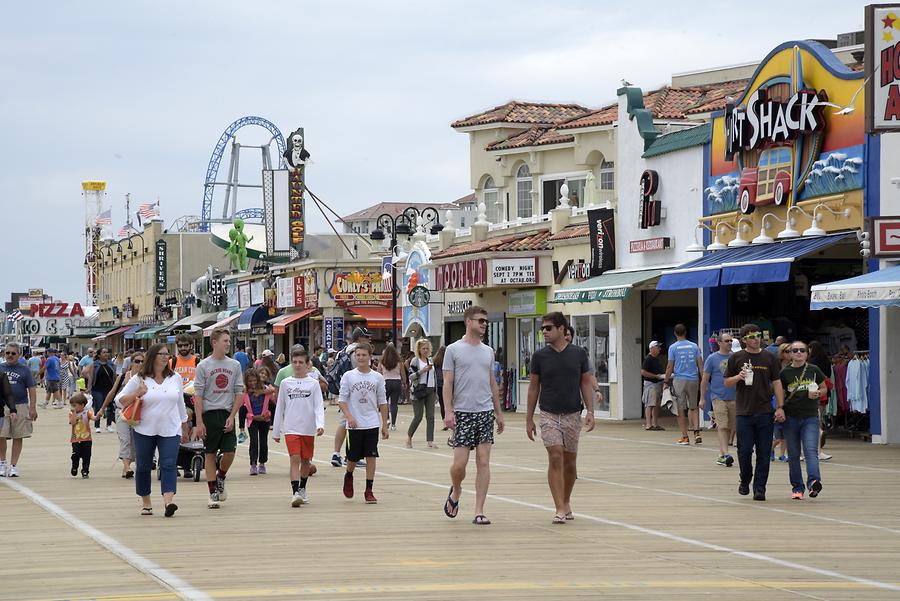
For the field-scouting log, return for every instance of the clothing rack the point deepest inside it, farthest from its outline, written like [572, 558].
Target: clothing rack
[851, 423]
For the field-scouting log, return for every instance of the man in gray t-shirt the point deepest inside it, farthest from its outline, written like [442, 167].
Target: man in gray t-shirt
[472, 402]
[218, 395]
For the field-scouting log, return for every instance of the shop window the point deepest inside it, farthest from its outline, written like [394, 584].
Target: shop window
[523, 192]
[592, 334]
[550, 190]
[530, 339]
[490, 197]
[607, 175]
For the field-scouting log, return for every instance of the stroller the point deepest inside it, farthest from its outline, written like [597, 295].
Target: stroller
[191, 458]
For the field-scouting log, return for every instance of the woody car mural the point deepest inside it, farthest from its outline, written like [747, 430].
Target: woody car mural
[796, 133]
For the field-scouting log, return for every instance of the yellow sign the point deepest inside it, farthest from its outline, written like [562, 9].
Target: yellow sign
[93, 186]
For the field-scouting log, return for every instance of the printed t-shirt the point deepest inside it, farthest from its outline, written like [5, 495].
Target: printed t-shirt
[363, 393]
[216, 381]
[715, 365]
[756, 398]
[796, 396]
[684, 354]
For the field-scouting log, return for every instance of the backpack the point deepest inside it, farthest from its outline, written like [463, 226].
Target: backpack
[342, 364]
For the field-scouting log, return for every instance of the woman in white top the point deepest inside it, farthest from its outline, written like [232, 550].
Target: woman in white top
[163, 426]
[422, 384]
[391, 368]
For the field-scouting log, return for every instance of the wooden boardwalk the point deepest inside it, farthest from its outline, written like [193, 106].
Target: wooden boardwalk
[654, 521]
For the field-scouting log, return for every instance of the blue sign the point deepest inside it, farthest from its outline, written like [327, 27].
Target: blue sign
[339, 331]
[328, 329]
[412, 314]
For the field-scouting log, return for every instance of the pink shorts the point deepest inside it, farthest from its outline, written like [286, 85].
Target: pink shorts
[561, 430]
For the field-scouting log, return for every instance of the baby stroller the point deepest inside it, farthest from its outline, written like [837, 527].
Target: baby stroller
[191, 460]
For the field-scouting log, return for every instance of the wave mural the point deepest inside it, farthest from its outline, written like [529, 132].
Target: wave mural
[835, 172]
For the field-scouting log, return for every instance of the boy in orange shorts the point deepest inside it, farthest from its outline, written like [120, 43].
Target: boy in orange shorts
[300, 415]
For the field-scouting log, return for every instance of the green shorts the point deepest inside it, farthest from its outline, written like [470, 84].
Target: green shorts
[217, 439]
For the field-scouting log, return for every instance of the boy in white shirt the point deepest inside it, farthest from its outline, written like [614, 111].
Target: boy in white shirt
[364, 404]
[300, 415]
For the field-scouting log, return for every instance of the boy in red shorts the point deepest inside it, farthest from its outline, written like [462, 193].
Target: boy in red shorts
[364, 404]
[300, 415]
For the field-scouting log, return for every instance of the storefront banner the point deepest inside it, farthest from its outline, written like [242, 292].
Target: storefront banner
[514, 272]
[527, 302]
[257, 293]
[25, 302]
[648, 245]
[231, 295]
[864, 295]
[458, 307]
[339, 332]
[328, 332]
[601, 223]
[587, 296]
[243, 295]
[285, 293]
[359, 289]
[310, 285]
[161, 260]
[882, 49]
[464, 274]
[412, 314]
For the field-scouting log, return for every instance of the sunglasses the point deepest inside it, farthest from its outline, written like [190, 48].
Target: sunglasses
[137, 361]
[481, 320]
[547, 328]
[752, 336]
[8, 354]
[729, 341]
[798, 350]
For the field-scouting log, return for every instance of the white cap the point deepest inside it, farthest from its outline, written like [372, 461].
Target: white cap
[653, 343]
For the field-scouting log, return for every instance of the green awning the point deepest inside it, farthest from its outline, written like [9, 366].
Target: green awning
[147, 333]
[609, 286]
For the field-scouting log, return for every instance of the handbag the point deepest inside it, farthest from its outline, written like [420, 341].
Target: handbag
[420, 391]
[132, 413]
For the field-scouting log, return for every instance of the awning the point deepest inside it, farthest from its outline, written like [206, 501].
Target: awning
[114, 332]
[224, 323]
[254, 316]
[129, 333]
[871, 290]
[279, 324]
[745, 264]
[609, 286]
[193, 322]
[378, 317]
[148, 333]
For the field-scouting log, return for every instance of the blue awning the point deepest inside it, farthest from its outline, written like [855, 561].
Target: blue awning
[745, 264]
[254, 316]
[871, 290]
[129, 333]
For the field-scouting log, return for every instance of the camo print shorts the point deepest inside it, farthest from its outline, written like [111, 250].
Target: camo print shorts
[473, 429]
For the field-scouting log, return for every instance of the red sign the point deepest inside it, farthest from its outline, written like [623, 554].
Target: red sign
[57, 310]
[886, 236]
[650, 244]
[299, 296]
[465, 274]
[359, 289]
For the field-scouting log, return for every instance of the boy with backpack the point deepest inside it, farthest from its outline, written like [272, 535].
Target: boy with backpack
[343, 363]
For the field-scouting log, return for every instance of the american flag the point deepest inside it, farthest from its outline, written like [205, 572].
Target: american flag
[15, 316]
[104, 218]
[149, 210]
[124, 231]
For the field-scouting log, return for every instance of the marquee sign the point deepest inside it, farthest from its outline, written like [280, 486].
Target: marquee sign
[359, 289]
[649, 210]
[764, 120]
[513, 272]
[464, 274]
[650, 244]
[882, 68]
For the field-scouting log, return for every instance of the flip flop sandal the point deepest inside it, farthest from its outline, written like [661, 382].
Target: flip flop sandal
[129, 474]
[481, 520]
[453, 505]
[146, 511]
[570, 516]
[559, 519]
[171, 508]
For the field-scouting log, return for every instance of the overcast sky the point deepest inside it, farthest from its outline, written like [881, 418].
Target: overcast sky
[138, 93]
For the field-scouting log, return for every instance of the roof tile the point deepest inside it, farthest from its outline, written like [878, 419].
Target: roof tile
[570, 232]
[524, 112]
[523, 242]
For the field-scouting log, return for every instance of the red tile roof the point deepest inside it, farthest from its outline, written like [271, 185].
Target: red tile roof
[524, 112]
[570, 232]
[535, 136]
[523, 242]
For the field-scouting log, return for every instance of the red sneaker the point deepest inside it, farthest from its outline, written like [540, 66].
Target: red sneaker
[370, 498]
[348, 485]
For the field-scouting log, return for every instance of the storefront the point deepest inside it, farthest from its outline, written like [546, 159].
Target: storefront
[361, 297]
[297, 295]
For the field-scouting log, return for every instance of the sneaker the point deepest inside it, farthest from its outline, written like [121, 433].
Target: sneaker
[12, 472]
[772, 456]
[730, 460]
[743, 489]
[684, 440]
[815, 488]
[85, 475]
[187, 474]
[220, 489]
[253, 470]
[823, 457]
[261, 469]
[797, 496]
[698, 439]
[2, 469]
[213, 500]
[370, 498]
[97, 430]
[109, 428]
[348, 485]
[296, 499]
[336, 460]
[759, 496]
[241, 437]
[74, 471]
[361, 462]
[393, 427]
[722, 460]
[304, 498]
[783, 458]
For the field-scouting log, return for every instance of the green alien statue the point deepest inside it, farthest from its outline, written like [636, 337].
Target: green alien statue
[237, 250]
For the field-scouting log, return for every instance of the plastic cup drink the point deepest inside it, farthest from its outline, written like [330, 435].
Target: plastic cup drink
[813, 389]
[748, 376]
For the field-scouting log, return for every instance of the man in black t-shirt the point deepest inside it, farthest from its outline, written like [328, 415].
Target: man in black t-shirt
[561, 379]
[652, 374]
[755, 373]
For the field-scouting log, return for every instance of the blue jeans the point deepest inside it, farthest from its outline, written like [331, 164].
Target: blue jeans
[167, 447]
[803, 430]
[755, 431]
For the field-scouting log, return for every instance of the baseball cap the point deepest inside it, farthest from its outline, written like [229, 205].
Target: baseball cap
[267, 353]
[359, 333]
[653, 343]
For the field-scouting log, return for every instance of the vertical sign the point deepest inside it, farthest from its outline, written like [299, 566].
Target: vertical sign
[339, 331]
[882, 81]
[603, 240]
[161, 282]
[299, 300]
[386, 265]
[295, 204]
[328, 329]
[649, 210]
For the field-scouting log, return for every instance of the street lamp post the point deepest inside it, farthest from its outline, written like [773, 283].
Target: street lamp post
[403, 224]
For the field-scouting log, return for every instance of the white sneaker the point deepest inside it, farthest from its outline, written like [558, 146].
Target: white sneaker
[304, 498]
[2, 469]
[361, 462]
[12, 472]
[824, 456]
[296, 499]
[109, 428]
[97, 430]
[213, 501]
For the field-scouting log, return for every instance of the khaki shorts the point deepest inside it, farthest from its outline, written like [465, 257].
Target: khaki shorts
[561, 430]
[687, 394]
[652, 394]
[725, 414]
[20, 427]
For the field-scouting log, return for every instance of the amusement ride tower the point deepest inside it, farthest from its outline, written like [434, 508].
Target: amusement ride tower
[94, 192]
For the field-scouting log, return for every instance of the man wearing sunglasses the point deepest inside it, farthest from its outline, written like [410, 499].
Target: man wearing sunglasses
[18, 424]
[472, 403]
[755, 374]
